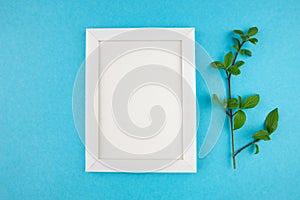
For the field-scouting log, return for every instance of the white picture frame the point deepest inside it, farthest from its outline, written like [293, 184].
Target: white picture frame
[95, 37]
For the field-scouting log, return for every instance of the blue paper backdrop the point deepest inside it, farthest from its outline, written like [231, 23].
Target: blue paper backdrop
[42, 45]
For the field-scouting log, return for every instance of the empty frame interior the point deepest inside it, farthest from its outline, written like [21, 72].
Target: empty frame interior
[118, 59]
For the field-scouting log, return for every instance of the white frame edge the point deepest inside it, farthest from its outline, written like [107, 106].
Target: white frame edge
[189, 162]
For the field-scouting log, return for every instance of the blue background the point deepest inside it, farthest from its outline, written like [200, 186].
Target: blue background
[42, 45]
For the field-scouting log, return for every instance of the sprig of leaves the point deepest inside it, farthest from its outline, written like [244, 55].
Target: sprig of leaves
[240, 105]
[235, 107]
[271, 124]
[229, 64]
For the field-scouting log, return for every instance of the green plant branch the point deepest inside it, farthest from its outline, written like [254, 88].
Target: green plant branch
[228, 75]
[238, 118]
[246, 146]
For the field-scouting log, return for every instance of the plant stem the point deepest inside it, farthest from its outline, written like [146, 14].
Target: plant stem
[231, 124]
[228, 75]
[246, 146]
[232, 140]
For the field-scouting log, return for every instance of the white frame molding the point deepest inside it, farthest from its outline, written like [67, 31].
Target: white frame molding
[188, 163]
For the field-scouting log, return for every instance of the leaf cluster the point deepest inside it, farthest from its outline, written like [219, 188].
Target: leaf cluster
[235, 107]
[240, 104]
[271, 124]
[243, 38]
[229, 64]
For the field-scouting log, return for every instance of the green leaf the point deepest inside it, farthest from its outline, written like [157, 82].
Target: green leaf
[216, 100]
[239, 119]
[234, 70]
[244, 38]
[271, 122]
[232, 103]
[239, 63]
[237, 41]
[217, 65]
[248, 52]
[252, 31]
[261, 135]
[238, 32]
[228, 59]
[253, 40]
[256, 149]
[235, 47]
[224, 103]
[250, 102]
[240, 101]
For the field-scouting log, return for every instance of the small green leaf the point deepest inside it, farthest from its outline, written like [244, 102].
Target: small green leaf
[217, 65]
[235, 47]
[244, 38]
[239, 119]
[271, 122]
[253, 40]
[224, 103]
[248, 52]
[261, 135]
[250, 102]
[238, 32]
[232, 103]
[216, 100]
[239, 63]
[237, 41]
[234, 70]
[252, 31]
[240, 101]
[256, 149]
[228, 59]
